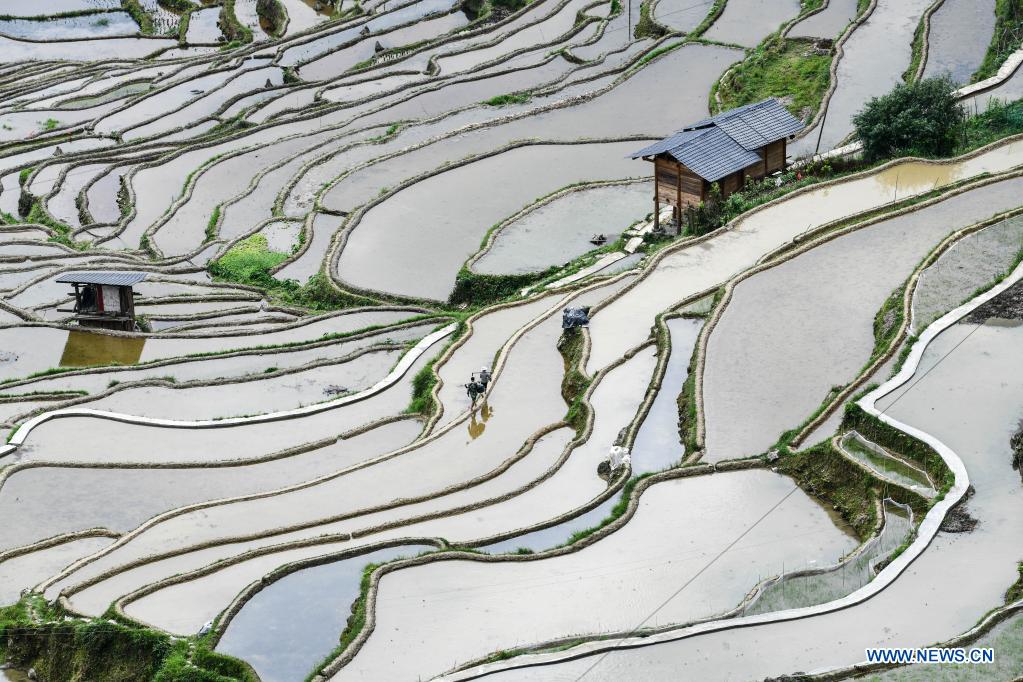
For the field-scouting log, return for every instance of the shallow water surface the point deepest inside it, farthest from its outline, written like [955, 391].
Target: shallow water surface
[827, 23]
[657, 444]
[875, 56]
[960, 34]
[84, 348]
[292, 624]
[561, 230]
[747, 22]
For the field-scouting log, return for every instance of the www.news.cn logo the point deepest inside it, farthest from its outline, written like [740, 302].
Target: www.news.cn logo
[931, 655]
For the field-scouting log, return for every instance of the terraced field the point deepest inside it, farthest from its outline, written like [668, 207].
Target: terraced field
[344, 210]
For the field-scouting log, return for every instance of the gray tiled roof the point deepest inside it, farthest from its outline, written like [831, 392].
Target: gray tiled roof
[716, 146]
[714, 155]
[118, 279]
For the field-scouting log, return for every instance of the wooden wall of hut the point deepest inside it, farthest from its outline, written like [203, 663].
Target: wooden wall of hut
[676, 184]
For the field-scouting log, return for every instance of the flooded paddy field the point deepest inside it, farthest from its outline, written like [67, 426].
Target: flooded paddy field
[754, 394]
[410, 598]
[352, 220]
[928, 603]
[959, 36]
[579, 216]
[875, 55]
[828, 23]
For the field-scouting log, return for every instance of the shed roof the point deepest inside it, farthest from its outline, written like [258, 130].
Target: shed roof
[722, 144]
[105, 277]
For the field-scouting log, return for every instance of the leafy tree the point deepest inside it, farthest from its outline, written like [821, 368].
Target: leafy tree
[922, 118]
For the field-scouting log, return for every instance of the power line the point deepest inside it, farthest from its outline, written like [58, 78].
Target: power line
[690, 581]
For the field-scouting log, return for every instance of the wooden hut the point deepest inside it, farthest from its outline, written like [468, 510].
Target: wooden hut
[727, 149]
[103, 299]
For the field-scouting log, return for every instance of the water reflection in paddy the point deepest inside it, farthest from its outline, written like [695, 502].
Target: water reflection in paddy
[827, 23]
[747, 22]
[292, 624]
[679, 526]
[796, 591]
[423, 262]
[886, 465]
[874, 58]
[561, 230]
[657, 443]
[968, 396]
[65, 28]
[959, 36]
[85, 348]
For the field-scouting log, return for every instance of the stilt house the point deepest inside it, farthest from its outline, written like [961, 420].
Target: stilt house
[103, 299]
[727, 149]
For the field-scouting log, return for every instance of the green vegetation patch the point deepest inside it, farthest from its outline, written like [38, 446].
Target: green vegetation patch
[232, 29]
[1015, 591]
[141, 17]
[888, 436]
[1001, 119]
[792, 70]
[272, 14]
[510, 98]
[1007, 38]
[177, 5]
[36, 635]
[822, 472]
[574, 383]
[248, 260]
[475, 290]
[647, 26]
[914, 119]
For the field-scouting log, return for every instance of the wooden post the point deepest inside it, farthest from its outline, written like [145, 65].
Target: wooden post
[678, 198]
[657, 211]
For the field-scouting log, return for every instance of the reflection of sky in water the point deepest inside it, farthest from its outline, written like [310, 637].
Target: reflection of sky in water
[84, 349]
[548, 538]
[657, 444]
[290, 626]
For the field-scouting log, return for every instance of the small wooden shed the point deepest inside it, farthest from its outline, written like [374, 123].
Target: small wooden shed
[104, 299]
[727, 149]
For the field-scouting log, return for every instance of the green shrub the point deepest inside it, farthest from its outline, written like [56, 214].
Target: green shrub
[510, 98]
[1006, 39]
[999, 120]
[475, 290]
[248, 261]
[919, 119]
[272, 12]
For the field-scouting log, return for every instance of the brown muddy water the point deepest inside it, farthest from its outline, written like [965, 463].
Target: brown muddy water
[85, 348]
[689, 270]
